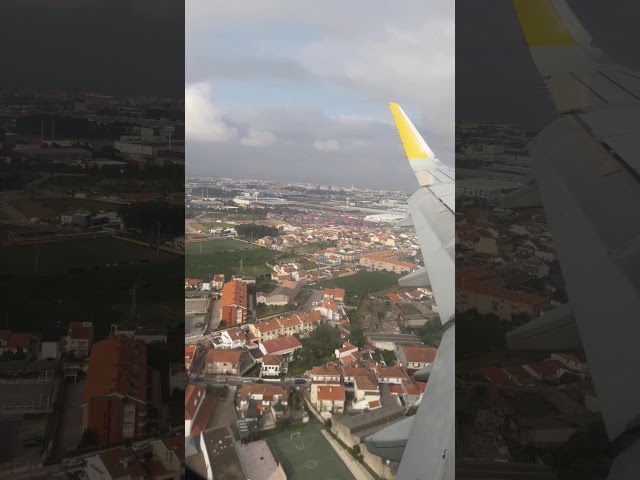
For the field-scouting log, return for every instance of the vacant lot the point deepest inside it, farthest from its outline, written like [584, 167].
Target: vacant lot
[362, 282]
[214, 259]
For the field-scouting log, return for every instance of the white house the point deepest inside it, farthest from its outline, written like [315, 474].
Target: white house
[271, 366]
[329, 309]
[328, 373]
[330, 398]
[366, 393]
[233, 338]
[393, 375]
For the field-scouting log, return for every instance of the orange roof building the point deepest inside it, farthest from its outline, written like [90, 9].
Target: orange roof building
[234, 303]
[114, 399]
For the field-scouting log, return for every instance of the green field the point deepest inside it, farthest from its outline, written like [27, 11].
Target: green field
[216, 245]
[362, 282]
[47, 207]
[308, 458]
[54, 258]
[85, 289]
[214, 259]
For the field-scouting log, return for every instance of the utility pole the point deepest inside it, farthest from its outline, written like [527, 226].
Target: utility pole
[158, 243]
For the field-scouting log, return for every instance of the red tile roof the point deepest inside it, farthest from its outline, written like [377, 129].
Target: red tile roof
[80, 331]
[333, 393]
[117, 365]
[419, 353]
[281, 344]
[495, 375]
[224, 356]
[202, 417]
[193, 395]
[115, 460]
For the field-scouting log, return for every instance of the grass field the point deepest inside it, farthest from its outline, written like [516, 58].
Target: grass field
[53, 258]
[46, 207]
[90, 292]
[362, 282]
[217, 257]
[308, 458]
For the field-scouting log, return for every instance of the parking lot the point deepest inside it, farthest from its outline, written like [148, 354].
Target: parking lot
[15, 428]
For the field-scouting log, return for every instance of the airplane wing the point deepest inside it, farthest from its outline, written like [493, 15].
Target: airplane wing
[588, 174]
[424, 444]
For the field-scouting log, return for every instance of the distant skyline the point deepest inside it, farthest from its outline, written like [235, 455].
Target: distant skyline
[299, 91]
[118, 47]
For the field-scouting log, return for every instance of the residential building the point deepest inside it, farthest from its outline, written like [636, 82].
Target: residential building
[218, 282]
[272, 365]
[15, 342]
[190, 351]
[329, 309]
[233, 338]
[390, 374]
[386, 261]
[117, 464]
[114, 399]
[336, 294]
[330, 398]
[349, 372]
[284, 346]
[169, 452]
[366, 392]
[198, 407]
[415, 357]
[282, 295]
[79, 338]
[234, 303]
[51, 344]
[224, 362]
[347, 354]
[328, 373]
[266, 394]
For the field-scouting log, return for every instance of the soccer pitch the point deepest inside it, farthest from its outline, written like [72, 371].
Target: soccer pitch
[306, 454]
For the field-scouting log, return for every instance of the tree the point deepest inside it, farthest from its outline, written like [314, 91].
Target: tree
[411, 411]
[327, 424]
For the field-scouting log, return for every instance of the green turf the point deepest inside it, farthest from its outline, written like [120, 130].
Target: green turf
[85, 289]
[213, 246]
[362, 282]
[311, 458]
[54, 258]
[213, 260]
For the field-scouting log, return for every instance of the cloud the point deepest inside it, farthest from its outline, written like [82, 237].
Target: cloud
[258, 138]
[318, 83]
[204, 120]
[326, 145]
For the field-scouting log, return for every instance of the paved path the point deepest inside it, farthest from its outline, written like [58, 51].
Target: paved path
[354, 466]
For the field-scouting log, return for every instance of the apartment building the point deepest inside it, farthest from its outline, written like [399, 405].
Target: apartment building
[114, 399]
[234, 303]
[386, 261]
[79, 338]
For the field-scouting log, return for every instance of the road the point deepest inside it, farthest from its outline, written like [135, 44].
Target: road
[214, 316]
[316, 296]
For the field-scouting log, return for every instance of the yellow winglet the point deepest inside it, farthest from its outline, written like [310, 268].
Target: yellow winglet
[541, 24]
[407, 132]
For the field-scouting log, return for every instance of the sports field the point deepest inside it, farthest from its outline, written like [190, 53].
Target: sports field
[309, 456]
[224, 255]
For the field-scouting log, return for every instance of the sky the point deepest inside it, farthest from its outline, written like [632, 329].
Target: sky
[299, 91]
[119, 47]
